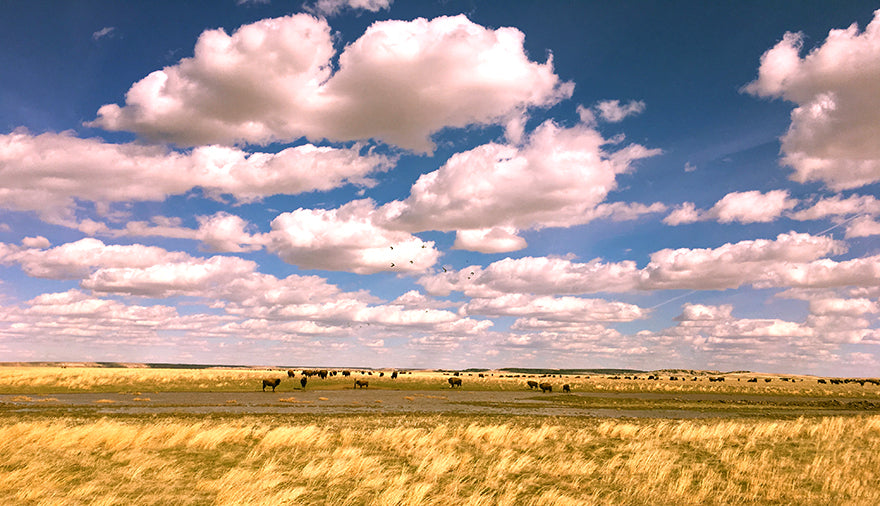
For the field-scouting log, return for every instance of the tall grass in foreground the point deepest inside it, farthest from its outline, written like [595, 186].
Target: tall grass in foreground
[439, 460]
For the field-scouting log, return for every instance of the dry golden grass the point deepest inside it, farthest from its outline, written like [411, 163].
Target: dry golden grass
[437, 460]
[48, 380]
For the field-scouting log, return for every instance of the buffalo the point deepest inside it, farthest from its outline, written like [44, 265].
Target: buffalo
[394, 375]
[532, 384]
[546, 387]
[291, 373]
[303, 381]
[566, 388]
[454, 382]
[361, 383]
[271, 383]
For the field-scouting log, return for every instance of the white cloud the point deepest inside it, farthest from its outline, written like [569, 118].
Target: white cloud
[826, 273]
[534, 275]
[833, 131]
[491, 240]
[271, 81]
[789, 260]
[349, 238]
[830, 322]
[685, 213]
[333, 7]
[557, 178]
[47, 173]
[743, 207]
[555, 309]
[38, 242]
[735, 264]
[107, 31]
[75, 260]
[613, 112]
[839, 206]
[864, 226]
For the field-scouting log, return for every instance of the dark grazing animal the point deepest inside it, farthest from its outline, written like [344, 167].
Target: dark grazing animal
[290, 373]
[532, 384]
[454, 382]
[271, 383]
[303, 381]
[361, 383]
[566, 388]
[546, 387]
[394, 375]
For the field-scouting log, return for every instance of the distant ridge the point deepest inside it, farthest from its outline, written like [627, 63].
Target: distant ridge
[527, 370]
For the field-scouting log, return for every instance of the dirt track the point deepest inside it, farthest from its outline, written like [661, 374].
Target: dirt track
[378, 401]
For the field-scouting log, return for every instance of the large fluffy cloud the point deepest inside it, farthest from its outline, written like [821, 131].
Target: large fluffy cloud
[400, 82]
[347, 239]
[742, 207]
[790, 259]
[735, 264]
[76, 259]
[558, 177]
[836, 86]
[48, 173]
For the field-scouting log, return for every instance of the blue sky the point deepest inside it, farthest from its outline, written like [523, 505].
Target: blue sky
[442, 184]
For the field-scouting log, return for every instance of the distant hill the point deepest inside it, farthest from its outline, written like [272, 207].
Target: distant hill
[526, 370]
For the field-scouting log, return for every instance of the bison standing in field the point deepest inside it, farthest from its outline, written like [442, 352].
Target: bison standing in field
[394, 375]
[454, 382]
[361, 383]
[532, 384]
[271, 383]
[546, 387]
[303, 381]
[291, 373]
[566, 388]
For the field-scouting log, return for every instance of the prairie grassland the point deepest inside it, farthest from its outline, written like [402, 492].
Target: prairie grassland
[438, 460]
[47, 380]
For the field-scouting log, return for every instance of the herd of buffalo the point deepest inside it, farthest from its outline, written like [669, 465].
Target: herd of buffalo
[456, 381]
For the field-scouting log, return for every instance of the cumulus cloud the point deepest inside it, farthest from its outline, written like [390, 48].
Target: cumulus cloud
[833, 130]
[829, 323]
[76, 259]
[743, 207]
[272, 81]
[735, 264]
[534, 275]
[790, 259]
[333, 7]
[613, 111]
[349, 238]
[837, 205]
[555, 309]
[491, 240]
[864, 226]
[566, 172]
[48, 173]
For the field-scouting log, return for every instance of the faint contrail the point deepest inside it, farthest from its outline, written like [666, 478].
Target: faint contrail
[844, 222]
[674, 298]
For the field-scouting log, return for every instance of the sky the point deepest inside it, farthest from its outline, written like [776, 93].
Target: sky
[447, 184]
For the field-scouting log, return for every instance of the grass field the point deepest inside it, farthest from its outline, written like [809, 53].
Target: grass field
[53, 455]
